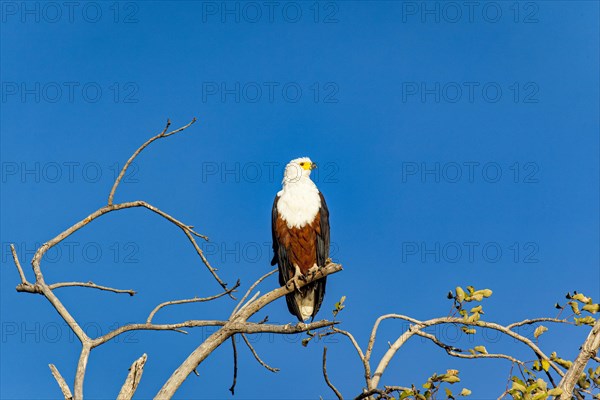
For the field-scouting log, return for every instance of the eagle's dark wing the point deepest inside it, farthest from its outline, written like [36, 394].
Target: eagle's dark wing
[322, 253]
[323, 234]
[280, 257]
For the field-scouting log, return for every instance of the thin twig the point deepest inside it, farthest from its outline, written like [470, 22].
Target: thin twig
[193, 300]
[365, 362]
[262, 278]
[154, 327]
[453, 351]
[255, 354]
[536, 320]
[18, 265]
[235, 366]
[331, 386]
[61, 382]
[163, 134]
[249, 301]
[92, 285]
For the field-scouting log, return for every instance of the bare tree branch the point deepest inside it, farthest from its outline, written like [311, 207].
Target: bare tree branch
[255, 354]
[18, 265]
[419, 325]
[589, 349]
[154, 327]
[81, 368]
[363, 358]
[235, 366]
[163, 134]
[92, 285]
[185, 301]
[331, 386]
[454, 352]
[133, 378]
[61, 382]
[255, 284]
[535, 321]
[239, 324]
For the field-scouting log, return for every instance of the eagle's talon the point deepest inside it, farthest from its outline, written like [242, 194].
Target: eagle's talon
[294, 283]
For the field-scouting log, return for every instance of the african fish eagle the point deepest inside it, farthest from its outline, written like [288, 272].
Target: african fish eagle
[300, 227]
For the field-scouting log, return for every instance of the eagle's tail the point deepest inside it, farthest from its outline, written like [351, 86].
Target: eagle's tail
[305, 304]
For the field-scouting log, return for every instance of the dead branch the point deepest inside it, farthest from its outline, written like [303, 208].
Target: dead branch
[61, 382]
[133, 378]
[419, 325]
[589, 349]
[154, 327]
[262, 278]
[161, 135]
[454, 352]
[331, 386]
[92, 285]
[235, 366]
[239, 324]
[193, 300]
[255, 354]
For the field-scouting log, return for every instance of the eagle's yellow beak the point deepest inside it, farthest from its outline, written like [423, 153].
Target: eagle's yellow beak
[308, 166]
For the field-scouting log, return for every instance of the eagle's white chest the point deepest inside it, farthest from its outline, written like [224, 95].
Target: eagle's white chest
[299, 203]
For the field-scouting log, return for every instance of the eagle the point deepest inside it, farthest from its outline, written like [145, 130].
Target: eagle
[300, 227]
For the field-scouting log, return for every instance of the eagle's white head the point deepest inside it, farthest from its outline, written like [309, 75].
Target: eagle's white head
[299, 200]
[298, 170]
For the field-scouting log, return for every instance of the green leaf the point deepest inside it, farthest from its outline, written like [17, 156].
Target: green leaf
[460, 294]
[542, 384]
[545, 365]
[585, 321]
[555, 392]
[540, 396]
[580, 297]
[450, 379]
[468, 331]
[464, 392]
[575, 307]
[481, 349]
[473, 318]
[474, 297]
[405, 394]
[448, 393]
[484, 292]
[539, 330]
[591, 308]
[339, 306]
[519, 386]
[478, 309]
[563, 363]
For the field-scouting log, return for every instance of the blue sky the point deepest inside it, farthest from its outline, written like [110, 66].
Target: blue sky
[457, 146]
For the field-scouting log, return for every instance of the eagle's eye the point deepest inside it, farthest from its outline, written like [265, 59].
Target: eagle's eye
[302, 164]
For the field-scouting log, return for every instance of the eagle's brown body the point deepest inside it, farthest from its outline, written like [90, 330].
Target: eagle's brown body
[300, 242]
